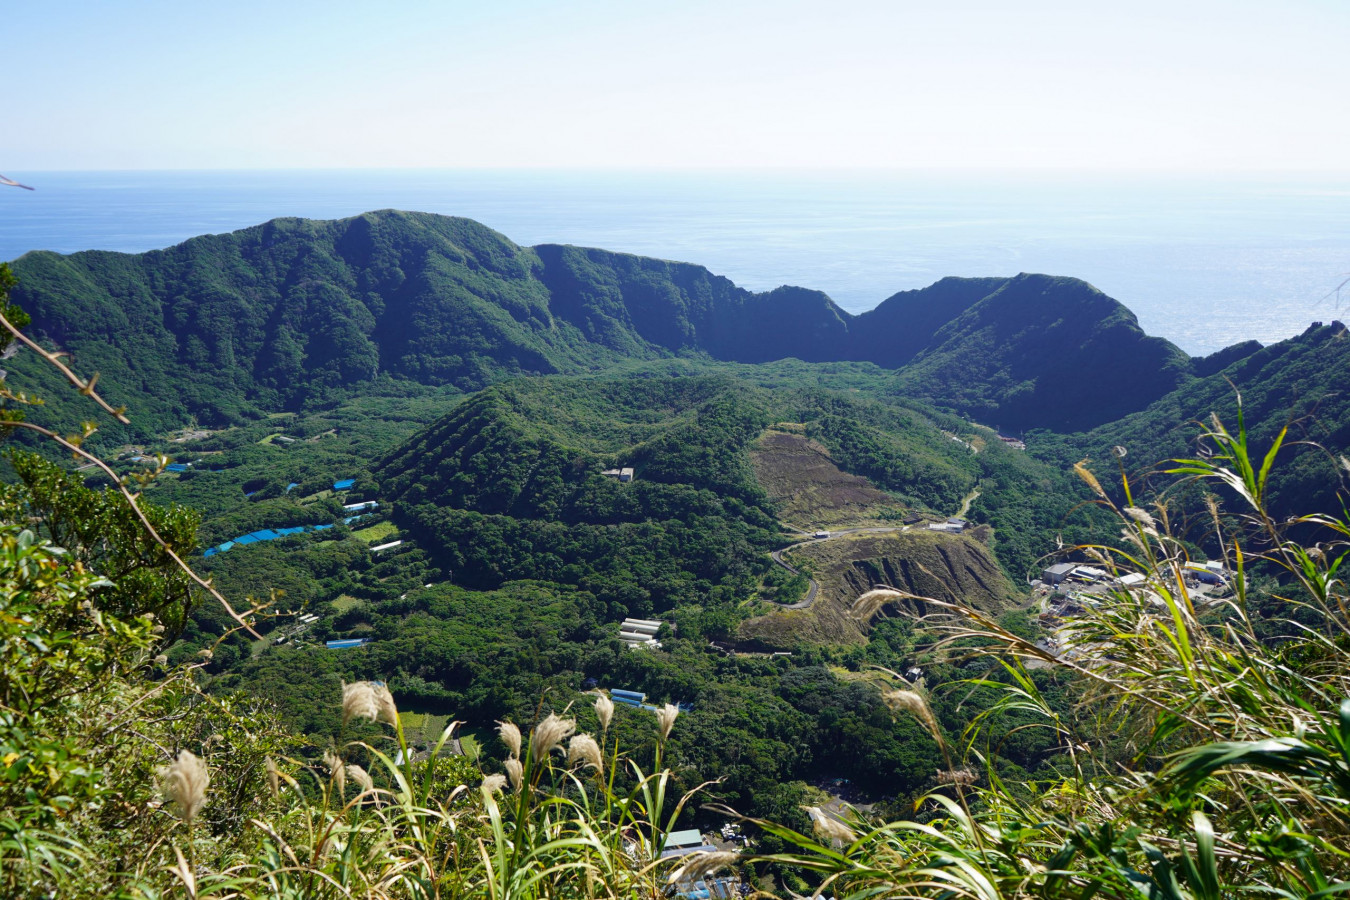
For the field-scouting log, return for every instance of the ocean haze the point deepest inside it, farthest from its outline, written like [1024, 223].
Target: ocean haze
[1203, 262]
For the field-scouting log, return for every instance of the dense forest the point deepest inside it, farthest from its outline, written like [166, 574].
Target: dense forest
[226, 328]
[404, 433]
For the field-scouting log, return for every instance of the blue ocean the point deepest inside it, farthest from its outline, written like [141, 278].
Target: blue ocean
[1205, 262]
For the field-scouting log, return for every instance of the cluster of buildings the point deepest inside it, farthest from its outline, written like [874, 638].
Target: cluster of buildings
[1207, 573]
[640, 633]
[951, 526]
[300, 627]
[1072, 587]
[708, 887]
[625, 475]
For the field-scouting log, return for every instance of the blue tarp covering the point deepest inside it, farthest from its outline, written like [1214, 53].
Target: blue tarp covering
[350, 519]
[291, 486]
[344, 484]
[176, 467]
[266, 534]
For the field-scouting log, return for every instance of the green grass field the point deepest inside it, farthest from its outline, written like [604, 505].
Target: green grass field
[380, 531]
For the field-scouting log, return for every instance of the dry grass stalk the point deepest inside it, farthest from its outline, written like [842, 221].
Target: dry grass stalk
[273, 778]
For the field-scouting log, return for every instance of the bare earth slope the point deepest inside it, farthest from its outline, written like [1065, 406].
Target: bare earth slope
[808, 489]
[931, 564]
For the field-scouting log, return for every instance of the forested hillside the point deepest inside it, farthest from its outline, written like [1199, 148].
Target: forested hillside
[1296, 384]
[294, 312]
[416, 428]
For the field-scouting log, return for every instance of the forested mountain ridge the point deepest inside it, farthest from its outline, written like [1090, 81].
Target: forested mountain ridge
[1297, 383]
[1048, 352]
[280, 315]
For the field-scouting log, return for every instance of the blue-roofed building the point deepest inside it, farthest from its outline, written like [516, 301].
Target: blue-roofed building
[345, 645]
[344, 485]
[176, 467]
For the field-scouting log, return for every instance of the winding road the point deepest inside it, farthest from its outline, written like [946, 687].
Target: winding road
[812, 587]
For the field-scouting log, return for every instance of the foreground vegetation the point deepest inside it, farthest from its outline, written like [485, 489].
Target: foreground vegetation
[1184, 748]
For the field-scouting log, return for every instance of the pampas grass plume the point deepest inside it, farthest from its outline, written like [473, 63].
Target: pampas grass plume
[361, 777]
[184, 782]
[665, 718]
[336, 770]
[516, 771]
[604, 711]
[549, 733]
[700, 865]
[828, 826]
[914, 704]
[359, 702]
[511, 737]
[386, 710]
[583, 749]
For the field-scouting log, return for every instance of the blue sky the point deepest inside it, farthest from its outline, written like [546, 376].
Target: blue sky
[1184, 86]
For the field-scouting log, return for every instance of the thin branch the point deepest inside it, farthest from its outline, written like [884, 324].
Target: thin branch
[140, 514]
[84, 387]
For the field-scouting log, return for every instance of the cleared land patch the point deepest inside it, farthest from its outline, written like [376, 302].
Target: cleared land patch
[809, 490]
[943, 566]
[377, 532]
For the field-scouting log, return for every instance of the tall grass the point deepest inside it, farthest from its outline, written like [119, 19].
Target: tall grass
[1213, 761]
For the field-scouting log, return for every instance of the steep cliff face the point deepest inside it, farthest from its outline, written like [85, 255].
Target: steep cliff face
[294, 311]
